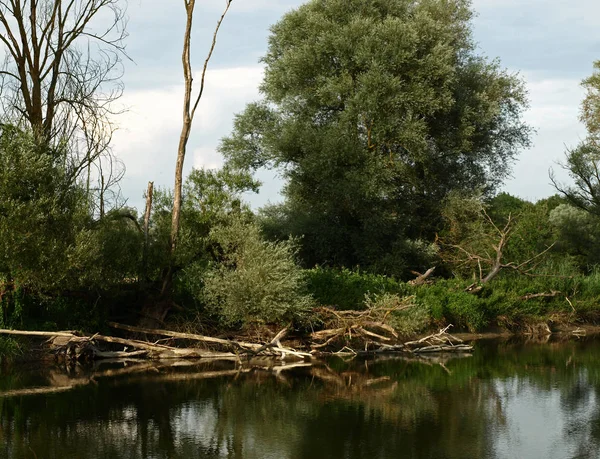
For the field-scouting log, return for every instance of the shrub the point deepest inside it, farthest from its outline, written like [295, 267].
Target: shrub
[345, 289]
[255, 281]
[449, 303]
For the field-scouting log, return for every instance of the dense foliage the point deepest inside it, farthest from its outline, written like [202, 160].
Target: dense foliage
[393, 134]
[374, 112]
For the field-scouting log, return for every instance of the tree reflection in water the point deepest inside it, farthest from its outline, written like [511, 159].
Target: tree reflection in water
[487, 405]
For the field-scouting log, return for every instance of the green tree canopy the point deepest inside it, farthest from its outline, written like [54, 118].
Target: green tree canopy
[374, 111]
[590, 107]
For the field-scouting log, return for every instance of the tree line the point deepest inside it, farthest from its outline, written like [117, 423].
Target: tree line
[393, 133]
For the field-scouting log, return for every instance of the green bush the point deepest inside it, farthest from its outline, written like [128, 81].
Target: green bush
[448, 302]
[255, 281]
[346, 289]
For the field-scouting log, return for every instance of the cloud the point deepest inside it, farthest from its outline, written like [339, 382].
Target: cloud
[149, 131]
[554, 102]
[250, 6]
[207, 158]
[554, 114]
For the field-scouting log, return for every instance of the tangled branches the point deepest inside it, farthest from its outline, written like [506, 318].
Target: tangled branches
[369, 327]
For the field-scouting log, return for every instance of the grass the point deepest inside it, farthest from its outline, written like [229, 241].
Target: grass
[500, 303]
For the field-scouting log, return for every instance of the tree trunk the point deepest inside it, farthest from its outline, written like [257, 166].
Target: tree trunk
[188, 118]
[147, 214]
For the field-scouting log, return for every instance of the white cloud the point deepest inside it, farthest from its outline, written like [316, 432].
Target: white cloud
[207, 158]
[554, 114]
[554, 102]
[149, 132]
[551, 41]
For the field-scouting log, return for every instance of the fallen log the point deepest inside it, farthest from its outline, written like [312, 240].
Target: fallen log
[190, 336]
[75, 347]
[444, 348]
[531, 296]
[273, 347]
[68, 334]
[421, 278]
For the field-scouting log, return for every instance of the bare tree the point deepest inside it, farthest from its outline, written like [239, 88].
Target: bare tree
[61, 72]
[189, 110]
[474, 252]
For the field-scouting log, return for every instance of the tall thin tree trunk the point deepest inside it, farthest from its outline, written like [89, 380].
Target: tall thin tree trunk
[188, 117]
[147, 214]
[101, 196]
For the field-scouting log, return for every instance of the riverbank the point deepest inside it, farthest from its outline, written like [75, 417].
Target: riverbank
[48, 347]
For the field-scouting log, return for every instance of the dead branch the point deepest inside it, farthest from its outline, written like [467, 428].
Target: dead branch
[276, 347]
[531, 296]
[421, 278]
[368, 325]
[190, 336]
[488, 262]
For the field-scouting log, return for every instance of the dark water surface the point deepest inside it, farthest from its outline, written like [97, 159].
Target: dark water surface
[509, 400]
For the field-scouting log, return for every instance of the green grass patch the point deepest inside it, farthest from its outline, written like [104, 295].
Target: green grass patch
[346, 289]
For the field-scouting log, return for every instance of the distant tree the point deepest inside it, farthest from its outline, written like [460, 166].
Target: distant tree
[579, 233]
[583, 162]
[503, 204]
[583, 165]
[590, 107]
[374, 111]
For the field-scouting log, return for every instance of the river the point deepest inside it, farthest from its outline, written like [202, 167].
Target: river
[510, 399]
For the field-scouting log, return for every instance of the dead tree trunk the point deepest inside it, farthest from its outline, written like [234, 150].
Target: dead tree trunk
[491, 264]
[147, 214]
[188, 117]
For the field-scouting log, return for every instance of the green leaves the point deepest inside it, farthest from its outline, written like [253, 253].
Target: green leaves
[254, 281]
[374, 111]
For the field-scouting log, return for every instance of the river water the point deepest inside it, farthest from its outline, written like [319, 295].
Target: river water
[507, 400]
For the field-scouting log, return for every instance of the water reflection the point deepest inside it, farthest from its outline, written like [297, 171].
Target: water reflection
[507, 400]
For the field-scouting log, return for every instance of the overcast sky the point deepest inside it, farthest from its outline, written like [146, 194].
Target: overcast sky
[552, 43]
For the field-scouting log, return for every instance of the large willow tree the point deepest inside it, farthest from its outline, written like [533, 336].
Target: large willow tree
[374, 110]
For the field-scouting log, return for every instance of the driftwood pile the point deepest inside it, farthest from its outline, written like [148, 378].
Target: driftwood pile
[73, 346]
[375, 336]
[371, 332]
[370, 326]
[440, 342]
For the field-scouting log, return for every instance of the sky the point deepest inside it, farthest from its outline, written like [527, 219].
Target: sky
[552, 44]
